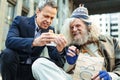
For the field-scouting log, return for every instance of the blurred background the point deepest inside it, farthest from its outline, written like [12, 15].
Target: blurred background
[105, 13]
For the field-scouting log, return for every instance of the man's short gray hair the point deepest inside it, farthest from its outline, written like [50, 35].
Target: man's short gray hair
[43, 3]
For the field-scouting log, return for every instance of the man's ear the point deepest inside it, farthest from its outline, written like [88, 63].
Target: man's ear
[37, 11]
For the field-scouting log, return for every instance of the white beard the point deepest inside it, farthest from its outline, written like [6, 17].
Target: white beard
[81, 38]
[81, 41]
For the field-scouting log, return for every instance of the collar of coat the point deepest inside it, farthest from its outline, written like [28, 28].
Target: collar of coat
[102, 38]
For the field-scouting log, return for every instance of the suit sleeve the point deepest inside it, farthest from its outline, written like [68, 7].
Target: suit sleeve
[15, 41]
[58, 58]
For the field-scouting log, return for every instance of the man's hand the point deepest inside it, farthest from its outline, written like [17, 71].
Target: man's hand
[102, 75]
[60, 42]
[44, 39]
[71, 55]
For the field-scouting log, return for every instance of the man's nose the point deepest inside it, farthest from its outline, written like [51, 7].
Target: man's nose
[74, 28]
[48, 20]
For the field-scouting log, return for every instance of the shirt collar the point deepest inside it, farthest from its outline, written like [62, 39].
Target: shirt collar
[36, 26]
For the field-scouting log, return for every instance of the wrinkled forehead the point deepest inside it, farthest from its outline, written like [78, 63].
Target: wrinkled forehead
[76, 21]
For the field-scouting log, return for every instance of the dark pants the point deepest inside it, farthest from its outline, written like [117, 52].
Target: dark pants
[11, 69]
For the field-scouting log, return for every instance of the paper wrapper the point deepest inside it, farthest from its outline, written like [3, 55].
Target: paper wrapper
[51, 43]
[87, 66]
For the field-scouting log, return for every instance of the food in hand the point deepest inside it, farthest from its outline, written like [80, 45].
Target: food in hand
[51, 43]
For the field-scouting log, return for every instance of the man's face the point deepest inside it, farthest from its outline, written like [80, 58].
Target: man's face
[45, 16]
[79, 32]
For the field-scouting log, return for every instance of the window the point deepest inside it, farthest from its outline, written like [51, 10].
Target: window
[0, 3]
[35, 6]
[10, 13]
[13, 2]
[100, 19]
[114, 30]
[106, 30]
[114, 36]
[26, 3]
[115, 24]
[25, 7]
[63, 1]
[106, 24]
[24, 13]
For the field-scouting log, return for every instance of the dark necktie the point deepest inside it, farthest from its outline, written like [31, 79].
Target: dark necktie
[38, 32]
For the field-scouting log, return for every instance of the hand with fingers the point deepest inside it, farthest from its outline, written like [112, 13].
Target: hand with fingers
[61, 42]
[44, 39]
[102, 75]
[72, 55]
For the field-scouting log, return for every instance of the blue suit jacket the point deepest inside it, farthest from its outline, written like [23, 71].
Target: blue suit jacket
[21, 36]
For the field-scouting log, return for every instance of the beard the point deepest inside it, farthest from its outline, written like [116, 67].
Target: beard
[81, 38]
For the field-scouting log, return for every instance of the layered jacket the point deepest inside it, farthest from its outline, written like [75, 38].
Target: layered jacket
[110, 48]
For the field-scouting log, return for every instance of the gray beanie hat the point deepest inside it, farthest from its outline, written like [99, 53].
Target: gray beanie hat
[82, 13]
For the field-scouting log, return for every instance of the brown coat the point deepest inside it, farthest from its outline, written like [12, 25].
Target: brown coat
[110, 49]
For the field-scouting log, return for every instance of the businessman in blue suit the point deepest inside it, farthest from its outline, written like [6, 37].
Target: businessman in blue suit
[26, 39]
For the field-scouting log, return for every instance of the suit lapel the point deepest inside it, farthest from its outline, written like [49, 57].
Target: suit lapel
[31, 25]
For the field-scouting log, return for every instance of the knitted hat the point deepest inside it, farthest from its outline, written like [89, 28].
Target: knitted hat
[82, 13]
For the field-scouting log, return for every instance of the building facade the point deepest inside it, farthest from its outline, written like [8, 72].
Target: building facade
[108, 24]
[8, 10]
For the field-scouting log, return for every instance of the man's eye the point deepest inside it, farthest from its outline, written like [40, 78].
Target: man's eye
[46, 16]
[77, 25]
[71, 27]
[52, 18]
